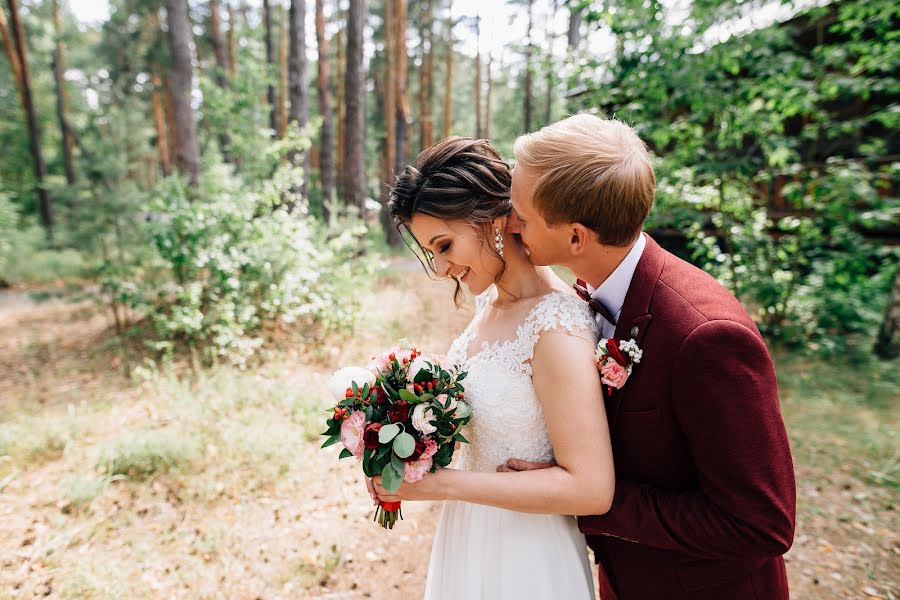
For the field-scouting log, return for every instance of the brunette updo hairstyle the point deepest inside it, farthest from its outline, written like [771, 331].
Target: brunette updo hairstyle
[457, 179]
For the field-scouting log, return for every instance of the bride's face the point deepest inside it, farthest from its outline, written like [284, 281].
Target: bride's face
[458, 250]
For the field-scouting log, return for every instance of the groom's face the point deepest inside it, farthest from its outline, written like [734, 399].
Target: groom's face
[545, 245]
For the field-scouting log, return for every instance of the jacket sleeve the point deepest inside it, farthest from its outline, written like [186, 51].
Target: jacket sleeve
[725, 400]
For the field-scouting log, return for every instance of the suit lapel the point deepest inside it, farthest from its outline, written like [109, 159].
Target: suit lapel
[635, 317]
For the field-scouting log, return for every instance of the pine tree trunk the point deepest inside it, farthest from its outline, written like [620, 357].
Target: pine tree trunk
[550, 35]
[354, 160]
[283, 25]
[479, 130]
[232, 45]
[59, 70]
[270, 68]
[448, 82]
[187, 154]
[215, 27]
[169, 107]
[888, 344]
[159, 123]
[402, 75]
[390, 92]
[487, 103]
[529, 69]
[215, 30]
[11, 53]
[428, 117]
[390, 119]
[341, 112]
[575, 16]
[40, 168]
[297, 84]
[326, 143]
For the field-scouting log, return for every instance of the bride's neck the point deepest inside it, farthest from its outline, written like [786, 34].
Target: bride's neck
[521, 280]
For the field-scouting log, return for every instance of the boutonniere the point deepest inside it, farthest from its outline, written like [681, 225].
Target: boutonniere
[616, 360]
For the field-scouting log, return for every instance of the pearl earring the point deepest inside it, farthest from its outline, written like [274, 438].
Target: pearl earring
[498, 242]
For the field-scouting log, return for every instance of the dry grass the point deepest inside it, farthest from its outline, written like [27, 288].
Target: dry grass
[170, 483]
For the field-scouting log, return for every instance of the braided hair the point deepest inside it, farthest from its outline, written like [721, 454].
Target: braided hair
[457, 179]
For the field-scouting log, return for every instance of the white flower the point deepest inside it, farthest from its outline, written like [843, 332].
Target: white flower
[346, 377]
[630, 348]
[421, 417]
[417, 365]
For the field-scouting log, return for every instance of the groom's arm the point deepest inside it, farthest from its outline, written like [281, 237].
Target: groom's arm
[726, 402]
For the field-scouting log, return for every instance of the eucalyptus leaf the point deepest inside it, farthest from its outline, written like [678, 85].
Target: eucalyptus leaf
[388, 432]
[390, 478]
[398, 464]
[404, 445]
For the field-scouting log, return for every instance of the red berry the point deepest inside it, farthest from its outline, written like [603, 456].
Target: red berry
[348, 393]
[429, 385]
[392, 356]
[452, 427]
[461, 396]
[405, 361]
[417, 388]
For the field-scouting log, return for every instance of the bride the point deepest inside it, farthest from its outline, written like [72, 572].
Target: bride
[532, 384]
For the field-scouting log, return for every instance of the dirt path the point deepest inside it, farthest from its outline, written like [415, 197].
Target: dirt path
[263, 513]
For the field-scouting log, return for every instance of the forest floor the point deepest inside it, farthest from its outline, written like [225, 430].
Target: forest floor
[238, 500]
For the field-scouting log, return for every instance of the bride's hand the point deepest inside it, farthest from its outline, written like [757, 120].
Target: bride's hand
[428, 488]
[370, 487]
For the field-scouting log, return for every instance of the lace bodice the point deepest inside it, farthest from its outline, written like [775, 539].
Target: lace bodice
[507, 420]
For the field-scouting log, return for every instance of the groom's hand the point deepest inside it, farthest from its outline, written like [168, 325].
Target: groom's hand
[514, 464]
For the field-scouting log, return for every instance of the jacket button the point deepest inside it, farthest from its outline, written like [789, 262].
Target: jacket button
[634, 331]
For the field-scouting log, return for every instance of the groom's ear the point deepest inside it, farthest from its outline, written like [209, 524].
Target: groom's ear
[580, 238]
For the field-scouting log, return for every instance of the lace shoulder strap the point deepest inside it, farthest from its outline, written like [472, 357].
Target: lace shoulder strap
[558, 311]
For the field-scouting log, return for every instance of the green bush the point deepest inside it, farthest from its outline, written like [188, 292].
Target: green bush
[231, 259]
[810, 279]
[24, 253]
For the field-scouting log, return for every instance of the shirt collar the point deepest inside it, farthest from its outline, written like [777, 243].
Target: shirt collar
[611, 292]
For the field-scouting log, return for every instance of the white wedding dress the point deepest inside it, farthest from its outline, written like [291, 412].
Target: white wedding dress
[486, 553]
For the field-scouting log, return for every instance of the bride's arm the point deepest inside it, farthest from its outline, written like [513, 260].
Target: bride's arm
[582, 482]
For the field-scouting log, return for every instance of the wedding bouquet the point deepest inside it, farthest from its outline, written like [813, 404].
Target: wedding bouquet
[401, 417]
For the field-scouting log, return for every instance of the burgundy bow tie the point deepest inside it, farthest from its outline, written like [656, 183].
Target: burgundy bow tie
[595, 305]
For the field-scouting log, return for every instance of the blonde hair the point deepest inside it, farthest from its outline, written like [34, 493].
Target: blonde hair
[592, 171]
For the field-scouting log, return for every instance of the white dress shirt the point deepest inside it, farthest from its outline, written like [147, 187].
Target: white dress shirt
[611, 292]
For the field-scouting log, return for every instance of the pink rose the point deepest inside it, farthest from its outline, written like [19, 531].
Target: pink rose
[431, 448]
[613, 374]
[352, 433]
[415, 471]
[381, 364]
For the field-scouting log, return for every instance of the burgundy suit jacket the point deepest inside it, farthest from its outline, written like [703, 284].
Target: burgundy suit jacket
[705, 495]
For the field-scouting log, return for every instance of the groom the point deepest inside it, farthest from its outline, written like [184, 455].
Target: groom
[705, 495]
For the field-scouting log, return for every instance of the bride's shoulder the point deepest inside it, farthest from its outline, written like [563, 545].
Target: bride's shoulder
[562, 308]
